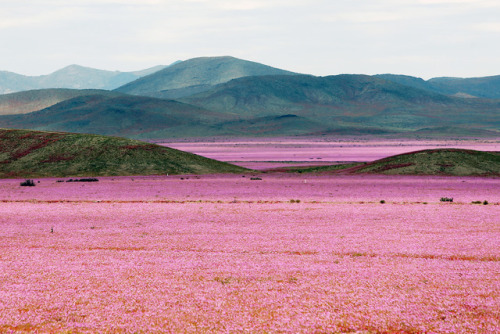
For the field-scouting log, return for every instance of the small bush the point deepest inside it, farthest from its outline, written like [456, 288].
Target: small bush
[476, 202]
[382, 202]
[446, 199]
[84, 180]
[28, 183]
[485, 203]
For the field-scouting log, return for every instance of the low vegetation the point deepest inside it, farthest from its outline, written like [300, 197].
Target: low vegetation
[27, 183]
[456, 162]
[446, 162]
[29, 154]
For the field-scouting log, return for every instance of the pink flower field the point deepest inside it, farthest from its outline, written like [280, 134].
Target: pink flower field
[265, 153]
[219, 253]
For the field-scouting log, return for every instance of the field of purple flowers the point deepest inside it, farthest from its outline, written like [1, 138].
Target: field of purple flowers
[287, 253]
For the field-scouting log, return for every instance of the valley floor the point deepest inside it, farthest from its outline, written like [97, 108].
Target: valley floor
[225, 253]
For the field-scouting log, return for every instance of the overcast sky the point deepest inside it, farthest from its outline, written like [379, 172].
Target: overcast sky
[424, 38]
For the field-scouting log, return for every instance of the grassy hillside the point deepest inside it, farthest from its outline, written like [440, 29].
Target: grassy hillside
[437, 162]
[446, 162]
[33, 100]
[29, 154]
[196, 75]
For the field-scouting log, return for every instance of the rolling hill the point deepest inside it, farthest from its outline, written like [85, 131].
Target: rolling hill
[30, 154]
[33, 100]
[73, 76]
[455, 162]
[196, 75]
[446, 162]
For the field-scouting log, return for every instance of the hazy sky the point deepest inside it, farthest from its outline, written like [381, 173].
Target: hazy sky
[424, 38]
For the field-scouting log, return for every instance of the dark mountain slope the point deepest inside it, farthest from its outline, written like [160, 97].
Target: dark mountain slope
[32, 100]
[271, 106]
[127, 116]
[196, 75]
[29, 154]
[484, 87]
[348, 101]
[409, 81]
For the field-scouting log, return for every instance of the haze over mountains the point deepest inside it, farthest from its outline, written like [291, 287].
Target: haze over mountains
[73, 76]
[33, 100]
[229, 96]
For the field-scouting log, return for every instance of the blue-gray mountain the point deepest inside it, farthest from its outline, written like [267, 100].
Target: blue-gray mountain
[196, 75]
[271, 105]
[33, 100]
[73, 76]
[485, 87]
[229, 96]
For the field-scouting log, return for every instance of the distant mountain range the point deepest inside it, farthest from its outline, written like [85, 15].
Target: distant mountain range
[485, 87]
[348, 101]
[73, 76]
[226, 96]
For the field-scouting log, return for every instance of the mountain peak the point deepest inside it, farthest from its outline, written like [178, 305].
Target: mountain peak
[197, 73]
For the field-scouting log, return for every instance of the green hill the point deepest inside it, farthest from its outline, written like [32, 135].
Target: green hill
[30, 154]
[455, 162]
[196, 75]
[33, 100]
[446, 161]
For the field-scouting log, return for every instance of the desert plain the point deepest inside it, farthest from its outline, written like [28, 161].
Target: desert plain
[256, 252]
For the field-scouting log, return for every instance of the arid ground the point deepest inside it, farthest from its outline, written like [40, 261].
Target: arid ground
[251, 252]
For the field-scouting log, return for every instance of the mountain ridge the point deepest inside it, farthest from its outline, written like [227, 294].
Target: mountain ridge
[272, 106]
[71, 77]
[483, 87]
[201, 72]
[33, 100]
